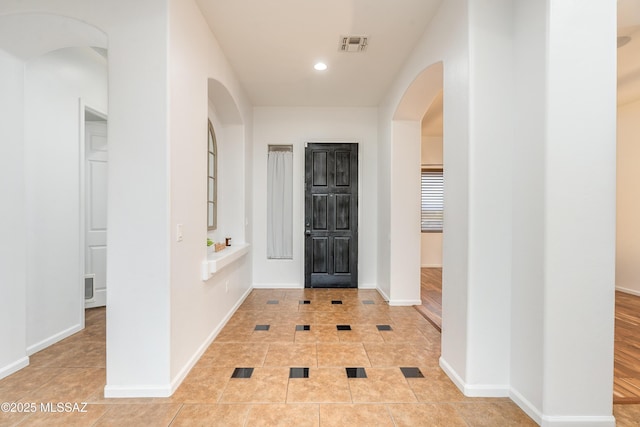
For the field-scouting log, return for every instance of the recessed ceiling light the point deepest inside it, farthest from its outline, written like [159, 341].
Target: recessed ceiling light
[320, 66]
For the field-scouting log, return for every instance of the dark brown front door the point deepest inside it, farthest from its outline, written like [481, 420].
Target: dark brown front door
[331, 215]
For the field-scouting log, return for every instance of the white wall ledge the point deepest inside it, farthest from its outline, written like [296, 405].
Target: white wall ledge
[216, 261]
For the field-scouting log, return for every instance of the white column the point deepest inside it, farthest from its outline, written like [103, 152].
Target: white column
[404, 272]
[579, 212]
[138, 303]
[564, 212]
[490, 198]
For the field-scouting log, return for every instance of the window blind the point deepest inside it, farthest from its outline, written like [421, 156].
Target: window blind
[432, 201]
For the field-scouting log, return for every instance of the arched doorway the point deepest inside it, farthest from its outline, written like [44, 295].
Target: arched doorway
[406, 142]
[57, 66]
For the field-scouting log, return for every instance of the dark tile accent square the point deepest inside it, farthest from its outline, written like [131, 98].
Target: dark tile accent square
[336, 301]
[298, 372]
[273, 301]
[305, 301]
[412, 373]
[384, 327]
[303, 327]
[242, 373]
[368, 301]
[261, 328]
[343, 327]
[356, 373]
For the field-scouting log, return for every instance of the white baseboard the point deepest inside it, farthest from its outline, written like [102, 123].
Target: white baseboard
[452, 374]
[169, 389]
[559, 421]
[14, 367]
[578, 421]
[53, 339]
[474, 390]
[431, 266]
[628, 291]
[404, 302]
[111, 391]
[278, 286]
[383, 294]
[524, 404]
[486, 390]
[198, 354]
[301, 286]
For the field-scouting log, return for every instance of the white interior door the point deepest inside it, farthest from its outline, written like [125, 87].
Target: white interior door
[96, 210]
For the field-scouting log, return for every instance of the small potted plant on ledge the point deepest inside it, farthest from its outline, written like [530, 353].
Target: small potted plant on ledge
[214, 247]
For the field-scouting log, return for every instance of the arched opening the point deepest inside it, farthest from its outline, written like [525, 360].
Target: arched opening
[627, 281]
[57, 68]
[406, 148]
[432, 212]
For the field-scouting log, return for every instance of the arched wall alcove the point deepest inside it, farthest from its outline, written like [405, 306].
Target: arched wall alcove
[404, 272]
[229, 130]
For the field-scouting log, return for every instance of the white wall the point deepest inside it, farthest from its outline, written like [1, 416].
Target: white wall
[405, 213]
[527, 295]
[54, 83]
[431, 150]
[199, 309]
[295, 126]
[145, 268]
[581, 54]
[553, 262]
[490, 201]
[138, 193]
[628, 199]
[431, 243]
[445, 40]
[13, 269]
[563, 290]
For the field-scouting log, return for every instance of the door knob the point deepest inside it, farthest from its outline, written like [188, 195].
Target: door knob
[308, 232]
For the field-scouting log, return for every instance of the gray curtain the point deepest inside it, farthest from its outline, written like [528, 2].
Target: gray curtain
[280, 203]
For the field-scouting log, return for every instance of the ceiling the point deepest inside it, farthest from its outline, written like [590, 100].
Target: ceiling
[273, 45]
[629, 54]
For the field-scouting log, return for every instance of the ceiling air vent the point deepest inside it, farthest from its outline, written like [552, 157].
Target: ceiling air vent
[353, 43]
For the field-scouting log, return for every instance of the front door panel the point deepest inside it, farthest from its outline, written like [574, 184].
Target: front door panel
[331, 215]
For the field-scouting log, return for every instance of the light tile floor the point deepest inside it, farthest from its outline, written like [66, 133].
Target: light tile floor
[74, 371]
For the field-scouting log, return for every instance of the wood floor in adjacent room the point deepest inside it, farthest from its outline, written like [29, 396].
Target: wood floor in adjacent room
[626, 388]
[431, 296]
[627, 336]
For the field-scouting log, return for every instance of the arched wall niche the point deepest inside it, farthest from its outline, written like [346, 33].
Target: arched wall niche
[229, 131]
[225, 106]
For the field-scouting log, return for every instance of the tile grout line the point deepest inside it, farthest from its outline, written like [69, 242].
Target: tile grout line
[176, 415]
[393, 420]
